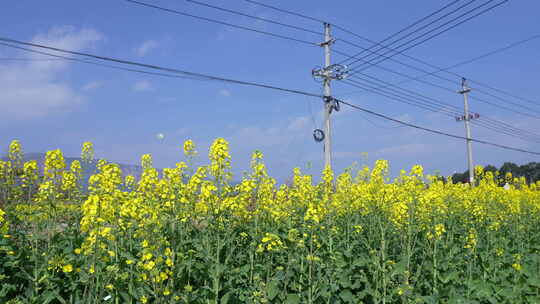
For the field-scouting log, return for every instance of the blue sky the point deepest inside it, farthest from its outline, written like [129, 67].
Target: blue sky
[59, 104]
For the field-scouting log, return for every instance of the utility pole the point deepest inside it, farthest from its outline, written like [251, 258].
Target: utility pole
[327, 97]
[467, 117]
[327, 74]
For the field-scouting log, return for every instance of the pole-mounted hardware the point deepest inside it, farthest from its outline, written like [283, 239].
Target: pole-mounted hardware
[318, 135]
[334, 71]
[334, 103]
[471, 117]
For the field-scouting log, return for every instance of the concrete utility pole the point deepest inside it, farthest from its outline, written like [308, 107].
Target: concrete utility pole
[467, 117]
[327, 73]
[327, 100]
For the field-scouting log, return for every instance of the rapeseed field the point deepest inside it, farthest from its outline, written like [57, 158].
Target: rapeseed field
[189, 235]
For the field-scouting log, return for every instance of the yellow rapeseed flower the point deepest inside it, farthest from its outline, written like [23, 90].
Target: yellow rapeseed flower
[189, 148]
[67, 268]
[87, 153]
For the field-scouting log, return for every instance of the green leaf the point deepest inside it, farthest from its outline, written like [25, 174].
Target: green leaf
[292, 299]
[347, 296]
[400, 267]
[225, 299]
[534, 282]
[50, 295]
[344, 280]
[449, 277]
[125, 296]
[273, 289]
[507, 293]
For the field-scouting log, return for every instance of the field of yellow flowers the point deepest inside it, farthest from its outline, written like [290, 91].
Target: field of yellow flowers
[189, 235]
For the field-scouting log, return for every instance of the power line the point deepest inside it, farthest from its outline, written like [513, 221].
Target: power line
[321, 21]
[377, 81]
[435, 131]
[444, 106]
[491, 53]
[436, 105]
[502, 126]
[507, 101]
[209, 77]
[371, 62]
[413, 32]
[501, 130]
[254, 17]
[286, 11]
[468, 61]
[345, 30]
[426, 104]
[443, 87]
[413, 24]
[505, 108]
[446, 70]
[504, 92]
[492, 121]
[150, 66]
[378, 125]
[396, 49]
[414, 102]
[221, 22]
[479, 90]
[473, 81]
[59, 57]
[396, 94]
[30, 59]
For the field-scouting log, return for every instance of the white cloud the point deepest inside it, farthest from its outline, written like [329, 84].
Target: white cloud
[142, 86]
[261, 137]
[226, 31]
[166, 100]
[347, 155]
[182, 131]
[146, 47]
[405, 118]
[63, 37]
[92, 85]
[282, 135]
[406, 149]
[33, 90]
[225, 92]
[223, 33]
[298, 123]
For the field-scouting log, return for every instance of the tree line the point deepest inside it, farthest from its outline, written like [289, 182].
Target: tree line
[530, 171]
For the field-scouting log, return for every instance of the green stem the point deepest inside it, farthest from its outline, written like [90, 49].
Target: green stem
[434, 291]
[310, 288]
[217, 272]
[383, 259]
